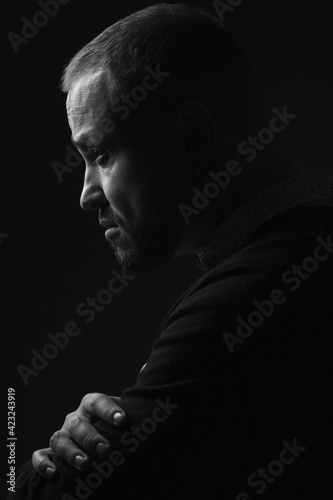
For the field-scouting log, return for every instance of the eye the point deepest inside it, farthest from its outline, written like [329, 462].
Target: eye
[99, 156]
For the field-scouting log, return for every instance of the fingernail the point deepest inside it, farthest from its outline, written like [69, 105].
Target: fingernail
[118, 417]
[79, 461]
[49, 471]
[102, 449]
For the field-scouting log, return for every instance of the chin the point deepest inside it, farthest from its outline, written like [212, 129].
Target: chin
[145, 251]
[139, 263]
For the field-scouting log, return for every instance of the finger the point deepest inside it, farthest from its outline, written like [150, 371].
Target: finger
[66, 449]
[85, 435]
[43, 465]
[103, 407]
[116, 399]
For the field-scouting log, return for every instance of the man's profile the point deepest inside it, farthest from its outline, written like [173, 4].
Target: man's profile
[158, 105]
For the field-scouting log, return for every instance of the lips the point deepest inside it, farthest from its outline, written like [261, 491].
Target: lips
[112, 234]
[107, 224]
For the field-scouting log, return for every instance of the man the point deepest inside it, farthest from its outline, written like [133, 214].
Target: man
[234, 392]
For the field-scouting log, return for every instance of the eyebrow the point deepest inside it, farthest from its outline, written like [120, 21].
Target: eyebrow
[82, 143]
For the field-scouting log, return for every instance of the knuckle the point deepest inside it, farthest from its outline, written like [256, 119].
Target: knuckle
[96, 398]
[69, 416]
[40, 463]
[69, 456]
[72, 422]
[86, 400]
[88, 442]
[55, 438]
[36, 458]
[39, 459]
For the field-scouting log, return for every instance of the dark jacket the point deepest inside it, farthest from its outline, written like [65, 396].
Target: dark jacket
[234, 400]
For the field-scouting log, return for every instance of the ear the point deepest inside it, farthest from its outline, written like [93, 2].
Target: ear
[198, 131]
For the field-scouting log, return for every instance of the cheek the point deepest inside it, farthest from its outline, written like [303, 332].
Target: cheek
[123, 190]
[120, 200]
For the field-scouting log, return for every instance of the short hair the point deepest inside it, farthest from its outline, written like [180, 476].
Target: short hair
[192, 45]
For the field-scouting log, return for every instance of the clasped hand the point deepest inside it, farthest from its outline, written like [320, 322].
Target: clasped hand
[78, 439]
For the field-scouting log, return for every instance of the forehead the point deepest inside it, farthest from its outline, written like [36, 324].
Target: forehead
[88, 102]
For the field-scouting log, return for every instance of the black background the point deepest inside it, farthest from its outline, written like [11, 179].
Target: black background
[55, 255]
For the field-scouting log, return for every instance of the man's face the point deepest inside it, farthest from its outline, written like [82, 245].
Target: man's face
[134, 177]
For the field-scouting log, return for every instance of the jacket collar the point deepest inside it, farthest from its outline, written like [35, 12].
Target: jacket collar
[311, 189]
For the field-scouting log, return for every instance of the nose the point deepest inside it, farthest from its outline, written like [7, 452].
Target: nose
[92, 196]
